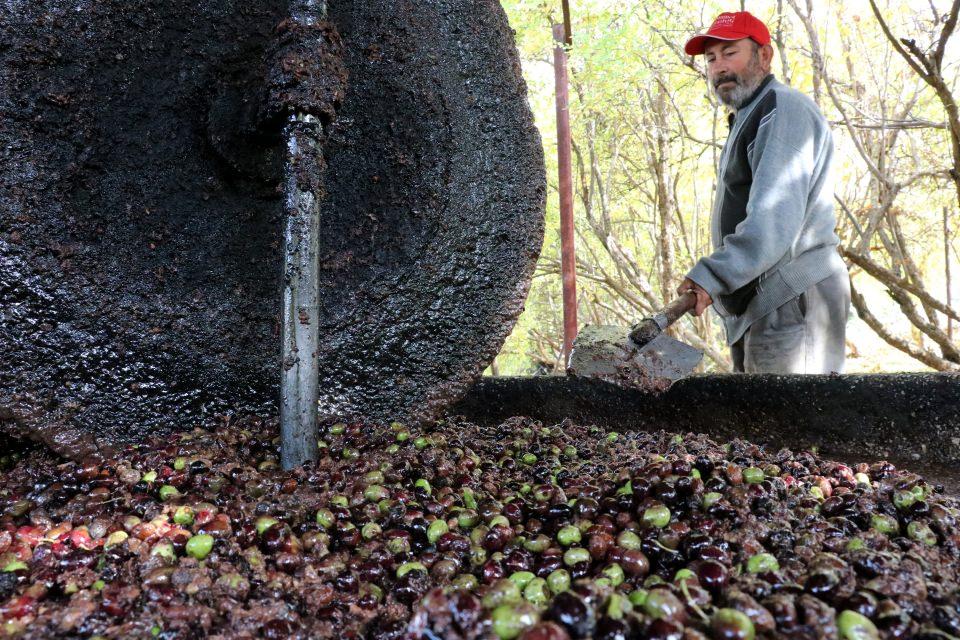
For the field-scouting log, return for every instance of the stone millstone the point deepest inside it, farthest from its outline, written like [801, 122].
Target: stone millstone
[140, 219]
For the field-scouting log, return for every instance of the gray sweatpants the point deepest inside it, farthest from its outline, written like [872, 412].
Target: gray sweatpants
[806, 335]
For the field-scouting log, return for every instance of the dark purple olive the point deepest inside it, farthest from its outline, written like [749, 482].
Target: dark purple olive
[569, 611]
[664, 630]
[547, 565]
[783, 610]
[823, 584]
[862, 602]
[518, 560]
[712, 575]
[611, 629]
[545, 631]
[947, 618]
[586, 508]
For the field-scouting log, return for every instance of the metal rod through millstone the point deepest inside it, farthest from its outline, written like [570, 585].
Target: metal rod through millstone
[298, 406]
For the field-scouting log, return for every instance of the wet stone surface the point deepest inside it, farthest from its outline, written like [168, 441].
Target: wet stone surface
[140, 255]
[517, 529]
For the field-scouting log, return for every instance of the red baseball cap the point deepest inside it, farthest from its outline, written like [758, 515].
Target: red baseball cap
[730, 26]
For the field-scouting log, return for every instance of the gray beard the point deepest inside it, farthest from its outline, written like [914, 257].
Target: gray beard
[739, 94]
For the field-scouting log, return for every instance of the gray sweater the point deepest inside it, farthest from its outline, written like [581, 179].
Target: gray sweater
[772, 222]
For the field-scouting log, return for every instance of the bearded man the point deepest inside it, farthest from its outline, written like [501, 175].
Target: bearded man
[775, 276]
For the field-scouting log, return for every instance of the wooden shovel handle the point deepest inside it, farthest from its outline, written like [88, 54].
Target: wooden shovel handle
[676, 310]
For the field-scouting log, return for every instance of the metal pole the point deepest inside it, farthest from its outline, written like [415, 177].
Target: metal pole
[299, 367]
[568, 260]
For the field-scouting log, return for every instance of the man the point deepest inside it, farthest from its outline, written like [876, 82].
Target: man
[775, 276]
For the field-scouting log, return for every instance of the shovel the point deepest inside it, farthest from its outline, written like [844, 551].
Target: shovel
[642, 356]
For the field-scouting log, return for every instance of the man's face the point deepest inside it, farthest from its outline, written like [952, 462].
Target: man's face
[734, 69]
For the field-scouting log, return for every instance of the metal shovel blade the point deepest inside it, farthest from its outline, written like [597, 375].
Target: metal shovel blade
[608, 353]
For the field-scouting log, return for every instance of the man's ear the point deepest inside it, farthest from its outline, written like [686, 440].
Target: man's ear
[766, 56]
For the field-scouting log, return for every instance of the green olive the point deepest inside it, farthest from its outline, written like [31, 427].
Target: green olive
[199, 546]
[424, 485]
[903, 499]
[660, 603]
[183, 516]
[855, 544]
[509, 620]
[614, 573]
[466, 581]
[558, 581]
[115, 538]
[575, 555]
[407, 567]
[920, 532]
[503, 591]
[537, 543]
[436, 529]
[521, 578]
[568, 535]
[856, 626]
[711, 498]
[618, 605]
[884, 523]
[263, 523]
[535, 592]
[371, 530]
[467, 519]
[762, 563]
[629, 540]
[165, 550]
[374, 477]
[15, 565]
[730, 623]
[657, 516]
[325, 519]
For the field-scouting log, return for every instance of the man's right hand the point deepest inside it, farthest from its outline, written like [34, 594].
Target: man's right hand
[703, 298]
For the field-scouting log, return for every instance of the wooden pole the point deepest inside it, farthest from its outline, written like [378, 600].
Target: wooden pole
[568, 260]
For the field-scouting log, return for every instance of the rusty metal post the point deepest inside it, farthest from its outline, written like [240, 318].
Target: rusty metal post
[567, 27]
[568, 260]
[946, 266]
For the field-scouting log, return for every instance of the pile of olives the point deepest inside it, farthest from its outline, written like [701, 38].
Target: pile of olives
[518, 530]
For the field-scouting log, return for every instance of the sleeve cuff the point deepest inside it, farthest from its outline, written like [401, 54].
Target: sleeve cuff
[701, 275]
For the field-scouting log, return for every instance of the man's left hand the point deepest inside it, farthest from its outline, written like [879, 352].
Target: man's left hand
[703, 298]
